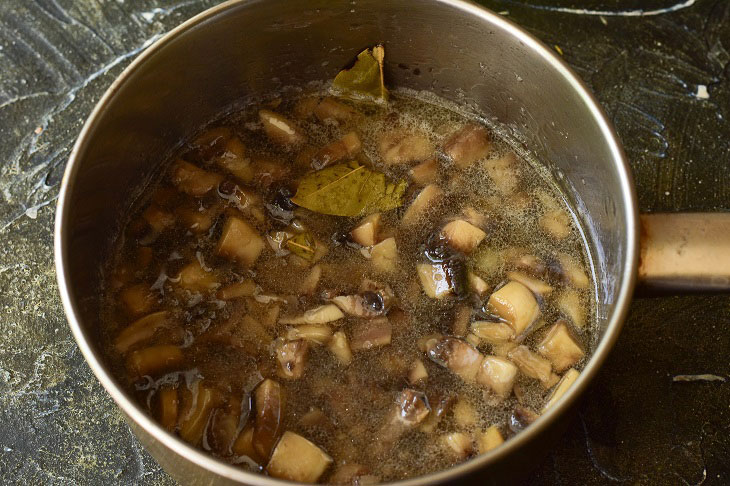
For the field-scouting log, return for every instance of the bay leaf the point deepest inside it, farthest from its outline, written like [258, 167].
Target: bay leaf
[348, 189]
[302, 245]
[365, 78]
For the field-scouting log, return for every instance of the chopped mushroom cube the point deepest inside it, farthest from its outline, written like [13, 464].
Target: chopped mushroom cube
[281, 130]
[458, 443]
[503, 172]
[371, 334]
[477, 284]
[456, 355]
[426, 172]
[269, 419]
[348, 146]
[434, 280]
[243, 445]
[314, 333]
[574, 273]
[240, 242]
[489, 439]
[234, 160]
[318, 315]
[538, 287]
[193, 180]
[440, 407]
[563, 385]
[168, 403]
[533, 365]
[556, 223]
[468, 145]
[463, 236]
[340, 347]
[401, 147]
[236, 290]
[422, 204]
[366, 233]
[138, 299]
[410, 410]
[157, 218]
[465, 415]
[498, 374]
[195, 219]
[195, 278]
[569, 303]
[473, 339]
[515, 304]
[309, 285]
[194, 423]
[493, 332]
[560, 347]
[384, 256]
[417, 373]
[292, 356]
[297, 459]
[141, 329]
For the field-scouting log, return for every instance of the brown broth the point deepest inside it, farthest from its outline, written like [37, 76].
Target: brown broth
[227, 345]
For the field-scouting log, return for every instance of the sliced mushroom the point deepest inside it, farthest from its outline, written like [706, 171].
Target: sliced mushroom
[138, 299]
[366, 232]
[313, 333]
[348, 146]
[556, 223]
[269, 419]
[310, 283]
[371, 334]
[473, 339]
[240, 242]
[463, 236]
[297, 459]
[516, 305]
[319, 315]
[433, 280]
[498, 374]
[167, 407]
[456, 355]
[503, 172]
[234, 160]
[245, 288]
[384, 256]
[489, 439]
[426, 172]
[197, 219]
[465, 415]
[477, 284]
[154, 360]
[569, 303]
[368, 304]
[194, 423]
[493, 332]
[538, 287]
[573, 272]
[158, 219]
[439, 408]
[422, 205]
[292, 357]
[402, 147]
[340, 347]
[411, 408]
[243, 445]
[195, 278]
[468, 145]
[533, 365]
[561, 347]
[280, 129]
[563, 385]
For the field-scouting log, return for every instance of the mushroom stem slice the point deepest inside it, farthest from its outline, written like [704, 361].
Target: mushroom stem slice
[297, 459]
[456, 355]
[561, 347]
[515, 304]
[269, 420]
[532, 365]
[292, 357]
[489, 439]
[319, 315]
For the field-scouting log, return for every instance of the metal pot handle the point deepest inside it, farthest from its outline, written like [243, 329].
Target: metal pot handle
[684, 253]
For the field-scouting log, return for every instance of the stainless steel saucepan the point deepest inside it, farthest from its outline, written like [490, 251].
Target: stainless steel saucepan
[453, 48]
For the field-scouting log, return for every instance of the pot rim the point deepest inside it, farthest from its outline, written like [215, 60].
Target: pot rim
[226, 470]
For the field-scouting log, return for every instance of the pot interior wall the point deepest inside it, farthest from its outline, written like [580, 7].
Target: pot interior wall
[259, 46]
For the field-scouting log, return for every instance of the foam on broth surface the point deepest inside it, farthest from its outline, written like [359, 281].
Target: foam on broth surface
[226, 338]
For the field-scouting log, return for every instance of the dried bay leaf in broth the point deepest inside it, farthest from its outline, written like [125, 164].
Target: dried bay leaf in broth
[348, 189]
[365, 78]
[302, 245]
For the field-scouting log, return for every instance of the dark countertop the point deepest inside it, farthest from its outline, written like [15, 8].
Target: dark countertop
[636, 425]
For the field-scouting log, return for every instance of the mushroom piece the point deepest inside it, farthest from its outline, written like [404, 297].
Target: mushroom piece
[236, 290]
[460, 322]
[280, 129]
[477, 284]
[401, 147]
[573, 272]
[318, 315]
[489, 439]
[556, 223]
[426, 172]
[538, 287]
[371, 334]
[516, 305]
[240, 242]
[167, 407]
[331, 109]
[468, 145]
[458, 443]
[533, 365]
[352, 474]
[193, 426]
[498, 374]
[561, 347]
[347, 146]
[411, 408]
[563, 385]
[297, 459]
[195, 278]
[442, 406]
[456, 355]
[269, 418]
[309, 285]
[292, 357]
[154, 360]
[313, 333]
[193, 180]
[521, 417]
[370, 303]
[197, 219]
[440, 280]
[465, 415]
[158, 219]
[418, 373]
[503, 172]
[138, 299]
[462, 236]
[384, 256]
[340, 347]
[366, 232]
[422, 204]
[493, 332]
[569, 303]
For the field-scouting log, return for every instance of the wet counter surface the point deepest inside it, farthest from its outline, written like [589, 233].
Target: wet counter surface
[661, 69]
